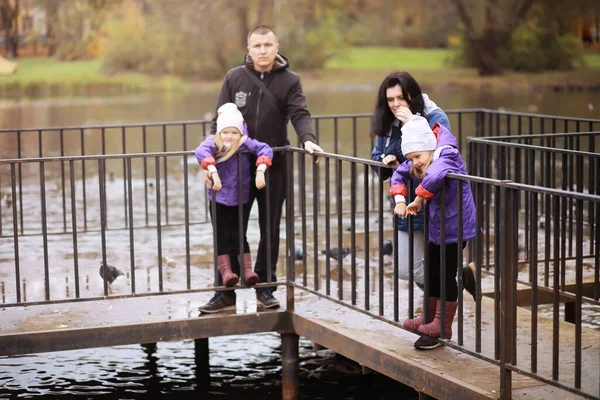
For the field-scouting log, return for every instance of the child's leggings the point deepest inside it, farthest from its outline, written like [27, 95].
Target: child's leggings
[435, 270]
[228, 234]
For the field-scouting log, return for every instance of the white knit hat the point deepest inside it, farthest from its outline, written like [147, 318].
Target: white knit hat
[230, 117]
[227, 107]
[417, 136]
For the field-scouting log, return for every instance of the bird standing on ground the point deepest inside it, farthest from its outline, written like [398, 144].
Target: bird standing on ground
[388, 247]
[337, 253]
[109, 273]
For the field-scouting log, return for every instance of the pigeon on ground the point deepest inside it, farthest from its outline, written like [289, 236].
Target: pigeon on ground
[388, 247]
[298, 253]
[337, 253]
[109, 273]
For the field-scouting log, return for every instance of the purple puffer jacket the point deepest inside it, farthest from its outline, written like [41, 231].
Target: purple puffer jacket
[228, 170]
[446, 159]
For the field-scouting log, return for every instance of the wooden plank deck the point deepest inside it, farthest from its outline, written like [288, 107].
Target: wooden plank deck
[441, 373]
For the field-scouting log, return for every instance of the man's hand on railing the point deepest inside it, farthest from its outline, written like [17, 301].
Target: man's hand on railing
[311, 147]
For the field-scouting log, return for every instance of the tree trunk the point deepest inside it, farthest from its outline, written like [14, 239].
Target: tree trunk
[486, 50]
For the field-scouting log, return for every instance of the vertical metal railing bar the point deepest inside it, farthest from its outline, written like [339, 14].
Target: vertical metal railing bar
[40, 144]
[124, 151]
[487, 213]
[327, 228]
[20, 171]
[158, 223]
[563, 219]
[145, 168]
[302, 194]
[354, 144]
[411, 251]
[240, 210]
[426, 262]
[13, 184]
[460, 131]
[546, 207]
[74, 226]
[206, 202]
[353, 187]
[443, 266]
[592, 187]
[103, 140]
[379, 243]
[214, 222]
[479, 214]
[289, 237]
[44, 229]
[165, 173]
[315, 227]
[396, 277]
[556, 287]
[340, 227]
[83, 179]
[335, 136]
[129, 213]
[186, 210]
[62, 180]
[533, 266]
[102, 200]
[367, 272]
[597, 230]
[571, 183]
[498, 244]
[506, 320]
[514, 257]
[578, 270]
[459, 262]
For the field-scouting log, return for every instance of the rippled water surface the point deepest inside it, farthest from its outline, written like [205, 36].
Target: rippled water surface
[241, 367]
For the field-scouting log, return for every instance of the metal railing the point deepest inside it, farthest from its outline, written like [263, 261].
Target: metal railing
[369, 283]
[132, 210]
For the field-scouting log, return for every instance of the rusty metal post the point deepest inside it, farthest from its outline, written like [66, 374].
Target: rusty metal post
[506, 261]
[201, 360]
[290, 377]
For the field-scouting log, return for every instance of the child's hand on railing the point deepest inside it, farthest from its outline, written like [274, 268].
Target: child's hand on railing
[400, 209]
[260, 179]
[414, 207]
[217, 185]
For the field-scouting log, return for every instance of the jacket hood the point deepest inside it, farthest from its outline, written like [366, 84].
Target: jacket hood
[430, 106]
[444, 137]
[281, 62]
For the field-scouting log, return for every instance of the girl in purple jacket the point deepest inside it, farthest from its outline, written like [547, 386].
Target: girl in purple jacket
[431, 154]
[218, 155]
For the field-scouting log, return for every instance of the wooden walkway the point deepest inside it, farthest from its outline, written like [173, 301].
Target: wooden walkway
[443, 373]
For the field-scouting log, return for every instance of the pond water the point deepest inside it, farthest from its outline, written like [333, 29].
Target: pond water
[241, 366]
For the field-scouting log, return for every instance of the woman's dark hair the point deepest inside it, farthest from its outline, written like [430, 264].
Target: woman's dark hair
[382, 116]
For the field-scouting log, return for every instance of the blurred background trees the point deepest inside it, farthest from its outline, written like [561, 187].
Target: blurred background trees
[202, 39]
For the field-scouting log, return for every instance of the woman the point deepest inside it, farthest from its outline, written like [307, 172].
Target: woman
[400, 98]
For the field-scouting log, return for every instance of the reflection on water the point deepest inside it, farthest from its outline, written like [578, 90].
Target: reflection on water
[240, 367]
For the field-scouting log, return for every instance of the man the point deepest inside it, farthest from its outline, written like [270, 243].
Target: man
[267, 119]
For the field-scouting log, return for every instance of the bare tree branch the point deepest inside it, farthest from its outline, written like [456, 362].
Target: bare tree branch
[465, 17]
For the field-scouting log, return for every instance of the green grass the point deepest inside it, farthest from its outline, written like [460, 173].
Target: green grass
[37, 76]
[391, 58]
[432, 69]
[592, 59]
